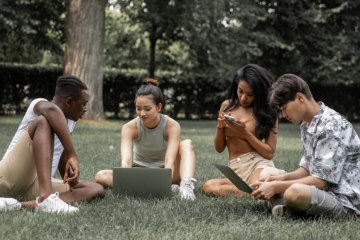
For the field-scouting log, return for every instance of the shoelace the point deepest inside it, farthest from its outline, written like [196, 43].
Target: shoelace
[188, 187]
[59, 202]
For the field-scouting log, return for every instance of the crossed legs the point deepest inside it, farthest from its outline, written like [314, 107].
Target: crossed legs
[184, 166]
[224, 187]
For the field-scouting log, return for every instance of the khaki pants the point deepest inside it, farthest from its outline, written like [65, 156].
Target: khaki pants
[18, 172]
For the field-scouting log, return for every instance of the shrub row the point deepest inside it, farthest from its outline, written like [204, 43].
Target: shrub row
[186, 96]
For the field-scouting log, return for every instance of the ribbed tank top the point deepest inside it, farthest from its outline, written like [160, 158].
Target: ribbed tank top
[150, 147]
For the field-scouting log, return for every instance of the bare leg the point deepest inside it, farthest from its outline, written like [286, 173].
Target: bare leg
[185, 162]
[43, 146]
[298, 197]
[221, 187]
[105, 178]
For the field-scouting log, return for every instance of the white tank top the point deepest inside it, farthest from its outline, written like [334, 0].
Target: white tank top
[150, 147]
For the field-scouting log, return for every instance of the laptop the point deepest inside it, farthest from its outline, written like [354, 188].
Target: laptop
[234, 178]
[143, 182]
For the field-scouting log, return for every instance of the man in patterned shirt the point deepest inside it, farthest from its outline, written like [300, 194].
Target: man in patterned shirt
[328, 180]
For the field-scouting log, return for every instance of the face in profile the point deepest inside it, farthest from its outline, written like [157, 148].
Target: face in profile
[291, 111]
[78, 107]
[146, 108]
[245, 94]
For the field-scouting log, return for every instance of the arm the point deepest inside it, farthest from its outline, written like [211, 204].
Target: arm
[297, 174]
[265, 190]
[128, 133]
[62, 164]
[58, 123]
[172, 133]
[62, 169]
[220, 140]
[267, 148]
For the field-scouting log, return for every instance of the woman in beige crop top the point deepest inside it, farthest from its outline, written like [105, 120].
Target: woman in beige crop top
[249, 156]
[180, 157]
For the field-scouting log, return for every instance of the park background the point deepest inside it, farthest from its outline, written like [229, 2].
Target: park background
[193, 48]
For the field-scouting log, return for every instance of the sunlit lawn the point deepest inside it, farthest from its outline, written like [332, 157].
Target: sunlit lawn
[98, 147]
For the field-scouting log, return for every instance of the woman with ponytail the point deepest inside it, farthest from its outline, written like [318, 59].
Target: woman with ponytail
[251, 139]
[152, 140]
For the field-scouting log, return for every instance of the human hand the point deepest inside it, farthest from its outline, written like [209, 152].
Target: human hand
[236, 125]
[72, 173]
[265, 190]
[221, 120]
[272, 178]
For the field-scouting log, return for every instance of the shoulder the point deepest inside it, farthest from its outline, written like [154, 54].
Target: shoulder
[130, 126]
[171, 123]
[38, 102]
[334, 124]
[224, 105]
[42, 106]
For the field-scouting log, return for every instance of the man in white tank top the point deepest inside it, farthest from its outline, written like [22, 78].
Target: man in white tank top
[41, 145]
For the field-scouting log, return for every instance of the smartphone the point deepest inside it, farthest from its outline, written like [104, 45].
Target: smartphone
[230, 118]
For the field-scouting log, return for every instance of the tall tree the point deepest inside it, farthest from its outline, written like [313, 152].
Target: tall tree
[160, 18]
[84, 49]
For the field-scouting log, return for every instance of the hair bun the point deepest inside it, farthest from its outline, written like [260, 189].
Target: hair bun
[151, 81]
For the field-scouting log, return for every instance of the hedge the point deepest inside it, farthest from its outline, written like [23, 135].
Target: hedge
[186, 95]
[191, 96]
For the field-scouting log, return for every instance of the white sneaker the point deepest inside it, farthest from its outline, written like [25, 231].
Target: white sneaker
[54, 204]
[282, 211]
[9, 204]
[186, 189]
[175, 188]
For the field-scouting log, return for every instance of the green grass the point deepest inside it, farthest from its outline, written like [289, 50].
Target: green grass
[132, 218]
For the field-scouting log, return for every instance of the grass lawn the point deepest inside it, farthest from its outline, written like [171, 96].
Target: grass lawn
[98, 147]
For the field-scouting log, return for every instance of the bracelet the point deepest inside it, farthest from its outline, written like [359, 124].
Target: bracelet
[219, 127]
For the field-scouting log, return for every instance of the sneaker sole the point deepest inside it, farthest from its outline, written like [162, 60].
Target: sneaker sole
[279, 211]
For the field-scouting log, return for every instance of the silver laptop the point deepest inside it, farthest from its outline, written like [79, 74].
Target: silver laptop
[143, 182]
[234, 178]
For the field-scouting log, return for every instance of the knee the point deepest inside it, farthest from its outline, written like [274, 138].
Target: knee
[100, 177]
[293, 193]
[269, 171]
[186, 144]
[208, 186]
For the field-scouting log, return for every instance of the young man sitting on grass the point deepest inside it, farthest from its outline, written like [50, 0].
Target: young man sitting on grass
[41, 145]
[328, 180]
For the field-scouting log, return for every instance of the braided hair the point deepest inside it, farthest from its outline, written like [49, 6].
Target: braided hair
[69, 86]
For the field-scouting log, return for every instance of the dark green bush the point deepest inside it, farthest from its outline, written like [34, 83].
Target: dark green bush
[186, 96]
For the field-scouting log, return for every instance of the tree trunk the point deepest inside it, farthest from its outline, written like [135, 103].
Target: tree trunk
[153, 39]
[85, 29]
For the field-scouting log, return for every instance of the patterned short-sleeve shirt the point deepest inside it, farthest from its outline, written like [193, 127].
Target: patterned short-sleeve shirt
[332, 153]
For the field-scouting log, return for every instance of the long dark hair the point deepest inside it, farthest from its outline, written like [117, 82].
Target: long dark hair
[260, 80]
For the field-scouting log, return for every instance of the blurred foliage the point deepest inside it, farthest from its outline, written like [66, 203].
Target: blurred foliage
[323, 38]
[318, 40]
[28, 27]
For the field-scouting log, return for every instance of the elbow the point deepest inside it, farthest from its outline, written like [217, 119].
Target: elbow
[269, 156]
[218, 149]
